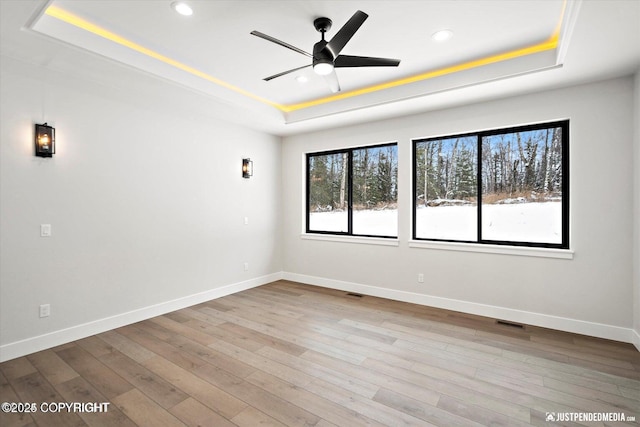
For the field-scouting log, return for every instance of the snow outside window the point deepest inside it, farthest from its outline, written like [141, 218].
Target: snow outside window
[353, 191]
[327, 199]
[506, 186]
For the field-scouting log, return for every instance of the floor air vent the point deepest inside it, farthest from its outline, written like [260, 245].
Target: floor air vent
[513, 325]
[351, 294]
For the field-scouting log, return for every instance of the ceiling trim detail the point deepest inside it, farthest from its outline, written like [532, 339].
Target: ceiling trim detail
[76, 21]
[551, 43]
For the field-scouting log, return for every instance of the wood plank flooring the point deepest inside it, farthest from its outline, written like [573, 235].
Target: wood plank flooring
[287, 354]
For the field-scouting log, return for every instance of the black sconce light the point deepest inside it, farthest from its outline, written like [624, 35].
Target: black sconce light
[45, 140]
[247, 168]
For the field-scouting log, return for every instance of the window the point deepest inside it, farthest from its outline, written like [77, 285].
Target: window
[353, 191]
[506, 186]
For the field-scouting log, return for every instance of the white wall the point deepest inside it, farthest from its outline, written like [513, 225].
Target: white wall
[145, 198]
[590, 293]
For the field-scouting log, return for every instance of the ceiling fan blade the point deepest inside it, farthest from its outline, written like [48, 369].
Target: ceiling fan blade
[345, 33]
[364, 61]
[285, 72]
[332, 81]
[280, 42]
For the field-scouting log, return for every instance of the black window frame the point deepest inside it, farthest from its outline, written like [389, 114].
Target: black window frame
[563, 124]
[349, 152]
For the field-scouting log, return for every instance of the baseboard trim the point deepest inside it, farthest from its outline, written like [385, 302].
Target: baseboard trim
[525, 317]
[63, 336]
[42, 342]
[635, 338]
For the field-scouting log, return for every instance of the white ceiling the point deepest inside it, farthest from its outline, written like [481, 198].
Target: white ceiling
[213, 53]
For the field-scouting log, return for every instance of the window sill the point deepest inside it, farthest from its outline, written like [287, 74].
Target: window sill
[494, 249]
[381, 241]
[447, 246]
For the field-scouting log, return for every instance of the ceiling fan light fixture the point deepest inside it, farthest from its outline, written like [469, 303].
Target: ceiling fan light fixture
[323, 68]
[442, 35]
[182, 8]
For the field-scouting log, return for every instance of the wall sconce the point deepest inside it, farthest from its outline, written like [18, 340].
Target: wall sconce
[247, 168]
[45, 140]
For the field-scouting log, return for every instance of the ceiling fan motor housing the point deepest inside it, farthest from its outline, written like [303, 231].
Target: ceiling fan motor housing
[321, 55]
[322, 58]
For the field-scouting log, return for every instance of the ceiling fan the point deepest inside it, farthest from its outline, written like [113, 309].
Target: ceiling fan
[326, 54]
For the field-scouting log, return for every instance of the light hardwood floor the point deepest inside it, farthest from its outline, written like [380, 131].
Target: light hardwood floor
[296, 355]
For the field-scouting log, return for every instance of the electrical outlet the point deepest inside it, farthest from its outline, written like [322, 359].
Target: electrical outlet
[420, 278]
[246, 266]
[246, 220]
[45, 230]
[45, 310]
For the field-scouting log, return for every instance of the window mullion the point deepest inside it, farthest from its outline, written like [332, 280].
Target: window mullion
[308, 195]
[350, 193]
[479, 188]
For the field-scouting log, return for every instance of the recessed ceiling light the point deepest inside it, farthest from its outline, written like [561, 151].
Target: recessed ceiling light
[442, 35]
[182, 8]
[302, 79]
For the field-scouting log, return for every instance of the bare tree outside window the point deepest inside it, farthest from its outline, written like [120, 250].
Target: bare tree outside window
[504, 186]
[354, 191]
